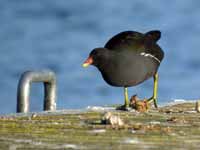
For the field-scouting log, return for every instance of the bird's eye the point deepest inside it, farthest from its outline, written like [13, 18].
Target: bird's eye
[94, 53]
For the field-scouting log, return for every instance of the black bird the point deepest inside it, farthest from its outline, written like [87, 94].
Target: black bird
[128, 59]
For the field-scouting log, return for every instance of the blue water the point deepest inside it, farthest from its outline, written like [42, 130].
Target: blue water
[58, 35]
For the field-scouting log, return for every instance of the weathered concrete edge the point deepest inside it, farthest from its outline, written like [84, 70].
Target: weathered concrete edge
[101, 109]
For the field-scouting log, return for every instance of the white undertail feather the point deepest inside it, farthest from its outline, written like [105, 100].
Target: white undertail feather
[149, 55]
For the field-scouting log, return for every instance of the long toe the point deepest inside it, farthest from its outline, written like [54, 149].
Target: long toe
[124, 108]
[154, 100]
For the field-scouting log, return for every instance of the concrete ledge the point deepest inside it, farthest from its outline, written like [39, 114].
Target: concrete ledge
[171, 127]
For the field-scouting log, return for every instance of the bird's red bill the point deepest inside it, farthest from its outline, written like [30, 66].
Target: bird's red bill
[88, 62]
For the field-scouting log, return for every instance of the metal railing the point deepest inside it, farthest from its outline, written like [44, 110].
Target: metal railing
[23, 91]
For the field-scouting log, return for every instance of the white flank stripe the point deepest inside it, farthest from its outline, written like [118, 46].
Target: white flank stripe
[149, 55]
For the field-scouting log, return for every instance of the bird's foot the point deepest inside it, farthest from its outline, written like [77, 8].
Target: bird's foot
[124, 108]
[154, 100]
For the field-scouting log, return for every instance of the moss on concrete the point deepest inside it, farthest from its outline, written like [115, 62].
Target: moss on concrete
[170, 127]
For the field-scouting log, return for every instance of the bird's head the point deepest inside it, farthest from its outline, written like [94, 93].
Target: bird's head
[96, 56]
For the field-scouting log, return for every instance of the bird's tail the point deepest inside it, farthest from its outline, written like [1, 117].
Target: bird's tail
[154, 35]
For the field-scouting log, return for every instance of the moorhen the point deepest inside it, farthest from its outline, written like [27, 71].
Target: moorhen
[128, 59]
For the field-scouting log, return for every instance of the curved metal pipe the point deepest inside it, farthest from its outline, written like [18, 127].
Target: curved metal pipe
[23, 91]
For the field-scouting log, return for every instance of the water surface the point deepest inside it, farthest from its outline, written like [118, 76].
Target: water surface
[58, 35]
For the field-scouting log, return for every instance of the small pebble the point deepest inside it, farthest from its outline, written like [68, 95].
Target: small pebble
[154, 122]
[34, 115]
[133, 131]
[98, 131]
[131, 141]
[113, 120]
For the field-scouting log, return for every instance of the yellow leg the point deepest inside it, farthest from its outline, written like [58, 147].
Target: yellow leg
[126, 101]
[155, 91]
[126, 104]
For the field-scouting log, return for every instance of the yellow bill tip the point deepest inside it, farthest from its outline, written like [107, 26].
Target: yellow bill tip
[88, 62]
[85, 65]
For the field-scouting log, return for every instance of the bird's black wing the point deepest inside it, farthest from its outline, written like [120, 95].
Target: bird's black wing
[125, 40]
[137, 42]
